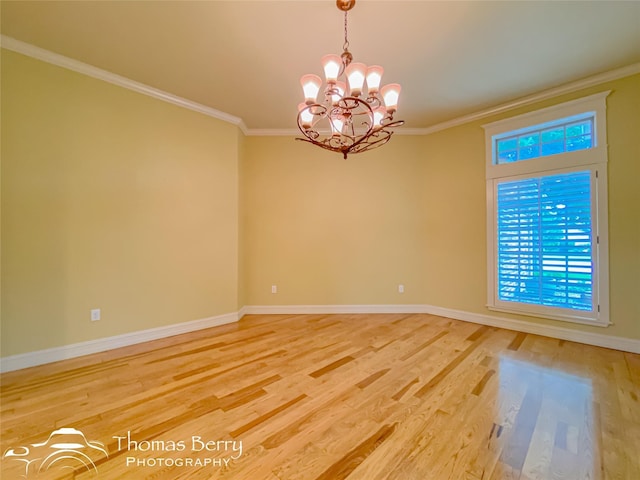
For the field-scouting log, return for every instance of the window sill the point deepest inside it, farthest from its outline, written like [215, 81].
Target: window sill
[563, 318]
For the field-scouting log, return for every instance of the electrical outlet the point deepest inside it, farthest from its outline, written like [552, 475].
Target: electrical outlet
[400, 288]
[95, 314]
[274, 289]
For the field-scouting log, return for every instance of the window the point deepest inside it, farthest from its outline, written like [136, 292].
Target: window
[547, 213]
[545, 140]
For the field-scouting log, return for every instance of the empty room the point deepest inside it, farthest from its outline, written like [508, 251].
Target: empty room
[320, 240]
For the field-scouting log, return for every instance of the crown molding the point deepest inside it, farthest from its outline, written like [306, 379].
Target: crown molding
[409, 131]
[243, 127]
[272, 132]
[38, 53]
[537, 97]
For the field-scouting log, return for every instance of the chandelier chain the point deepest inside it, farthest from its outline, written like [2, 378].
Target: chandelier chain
[345, 47]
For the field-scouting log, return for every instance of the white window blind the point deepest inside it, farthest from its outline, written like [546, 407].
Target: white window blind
[544, 241]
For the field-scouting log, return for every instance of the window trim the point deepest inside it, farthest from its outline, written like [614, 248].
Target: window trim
[594, 159]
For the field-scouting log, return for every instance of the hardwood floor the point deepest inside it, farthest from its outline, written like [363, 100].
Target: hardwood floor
[357, 397]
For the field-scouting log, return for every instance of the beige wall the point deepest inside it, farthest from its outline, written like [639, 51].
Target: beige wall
[111, 200]
[159, 215]
[332, 231]
[329, 231]
[242, 221]
[624, 205]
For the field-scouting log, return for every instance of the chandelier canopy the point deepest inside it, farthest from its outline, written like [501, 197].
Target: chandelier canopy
[356, 114]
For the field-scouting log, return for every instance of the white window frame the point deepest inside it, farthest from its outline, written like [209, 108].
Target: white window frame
[593, 159]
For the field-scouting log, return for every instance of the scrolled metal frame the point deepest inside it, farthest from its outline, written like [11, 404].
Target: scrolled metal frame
[355, 137]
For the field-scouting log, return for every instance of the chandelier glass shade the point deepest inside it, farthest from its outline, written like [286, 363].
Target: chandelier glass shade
[355, 113]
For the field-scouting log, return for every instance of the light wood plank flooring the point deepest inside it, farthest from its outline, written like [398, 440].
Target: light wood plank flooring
[330, 397]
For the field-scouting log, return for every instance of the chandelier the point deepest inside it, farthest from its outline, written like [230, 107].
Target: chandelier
[351, 118]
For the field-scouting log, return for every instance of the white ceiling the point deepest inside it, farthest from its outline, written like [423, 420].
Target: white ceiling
[245, 58]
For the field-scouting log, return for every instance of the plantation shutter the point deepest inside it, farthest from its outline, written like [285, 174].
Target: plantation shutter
[544, 241]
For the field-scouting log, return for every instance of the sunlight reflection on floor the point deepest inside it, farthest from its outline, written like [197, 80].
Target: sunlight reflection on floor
[544, 421]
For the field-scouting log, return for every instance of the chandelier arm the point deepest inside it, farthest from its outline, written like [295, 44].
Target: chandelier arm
[397, 123]
[355, 102]
[360, 147]
[347, 108]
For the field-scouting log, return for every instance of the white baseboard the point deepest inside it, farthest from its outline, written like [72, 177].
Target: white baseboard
[553, 331]
[322, 309]
[40, 357]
